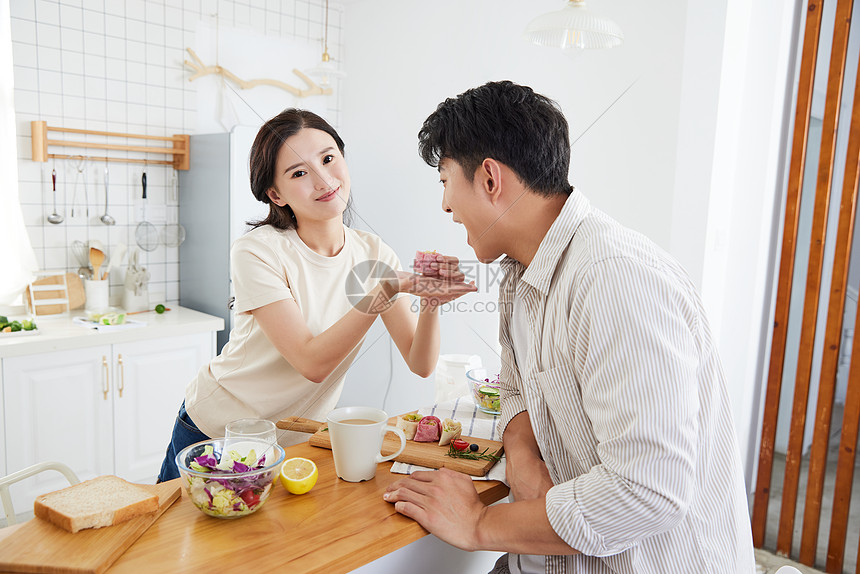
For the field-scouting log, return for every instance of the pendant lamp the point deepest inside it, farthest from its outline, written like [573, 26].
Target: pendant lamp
[326, 69]
[574, 27]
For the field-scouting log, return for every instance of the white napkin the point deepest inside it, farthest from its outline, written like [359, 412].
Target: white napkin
[475, 424]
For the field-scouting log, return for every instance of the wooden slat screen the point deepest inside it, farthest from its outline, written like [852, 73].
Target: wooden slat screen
[794, 454]
[830, 353]
[786, 268]
[832, 339]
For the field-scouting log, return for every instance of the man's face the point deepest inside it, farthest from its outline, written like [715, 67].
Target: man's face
[469, 204]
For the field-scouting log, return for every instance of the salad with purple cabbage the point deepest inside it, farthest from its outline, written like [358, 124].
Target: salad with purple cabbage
[227, 490]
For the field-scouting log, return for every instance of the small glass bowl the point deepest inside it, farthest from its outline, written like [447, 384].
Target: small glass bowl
[229, 494]
[485, 391]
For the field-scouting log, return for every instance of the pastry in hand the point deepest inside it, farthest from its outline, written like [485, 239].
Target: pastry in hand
[429, 429]
[451, 429]
[408, 423]
[422, 262]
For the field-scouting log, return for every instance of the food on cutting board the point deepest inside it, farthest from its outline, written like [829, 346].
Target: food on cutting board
[408, 423]
[422, 262]
[429, 429]
[457, 449]
[451, 429]
[460, 444]
[7, 326]
[96, 503]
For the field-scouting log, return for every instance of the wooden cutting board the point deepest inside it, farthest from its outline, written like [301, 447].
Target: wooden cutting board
[77, 297]
[39, 546]
[428, 454]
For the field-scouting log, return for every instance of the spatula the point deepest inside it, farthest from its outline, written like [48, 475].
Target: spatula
[97, 257]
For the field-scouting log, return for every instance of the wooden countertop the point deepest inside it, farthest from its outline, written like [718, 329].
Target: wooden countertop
[336, 527]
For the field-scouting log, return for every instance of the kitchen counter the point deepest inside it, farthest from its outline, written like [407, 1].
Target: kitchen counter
[60, 333]
[336, 527]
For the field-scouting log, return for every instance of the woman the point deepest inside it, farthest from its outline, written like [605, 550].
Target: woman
[300, 314]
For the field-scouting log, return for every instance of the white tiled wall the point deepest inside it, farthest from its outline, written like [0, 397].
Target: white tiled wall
[117, 65]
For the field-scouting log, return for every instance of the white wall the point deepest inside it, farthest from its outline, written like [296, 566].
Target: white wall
[689, 156]
[118, 66]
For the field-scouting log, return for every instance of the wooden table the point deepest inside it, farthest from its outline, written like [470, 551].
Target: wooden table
[336, 527]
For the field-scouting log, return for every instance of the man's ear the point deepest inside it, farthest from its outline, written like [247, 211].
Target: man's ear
[275, 197]
[490, 174]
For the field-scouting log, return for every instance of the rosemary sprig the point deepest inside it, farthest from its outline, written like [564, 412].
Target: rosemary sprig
[454, 453]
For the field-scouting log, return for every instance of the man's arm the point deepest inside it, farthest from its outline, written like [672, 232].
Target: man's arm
[446, 503]
[525, 470]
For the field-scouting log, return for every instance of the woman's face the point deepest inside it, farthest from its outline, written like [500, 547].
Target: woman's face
[311, 177]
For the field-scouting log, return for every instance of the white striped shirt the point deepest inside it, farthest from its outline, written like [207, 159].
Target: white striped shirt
[628, 403]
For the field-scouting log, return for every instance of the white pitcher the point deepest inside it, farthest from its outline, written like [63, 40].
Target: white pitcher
[451, 375]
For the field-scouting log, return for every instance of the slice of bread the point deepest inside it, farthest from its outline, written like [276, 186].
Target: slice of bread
[102, 501]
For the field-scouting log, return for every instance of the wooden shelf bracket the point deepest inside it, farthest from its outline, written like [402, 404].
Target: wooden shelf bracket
[178, 148]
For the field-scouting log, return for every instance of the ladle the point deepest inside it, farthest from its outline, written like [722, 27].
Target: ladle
[55, 217]
[106, 219]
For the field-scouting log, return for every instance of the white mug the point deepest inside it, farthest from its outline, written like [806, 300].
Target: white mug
[356, 441]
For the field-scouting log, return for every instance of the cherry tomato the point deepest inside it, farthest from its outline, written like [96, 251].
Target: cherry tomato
[460, 444]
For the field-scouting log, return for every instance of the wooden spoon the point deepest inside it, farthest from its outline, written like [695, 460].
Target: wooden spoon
[97, 257]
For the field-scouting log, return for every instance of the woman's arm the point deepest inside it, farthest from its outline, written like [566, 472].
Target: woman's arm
[417, 338]
[315, 357]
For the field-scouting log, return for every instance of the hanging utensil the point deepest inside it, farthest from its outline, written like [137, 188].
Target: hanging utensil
[55, 217]
[146, 234]
[173, 234]
[106, 219]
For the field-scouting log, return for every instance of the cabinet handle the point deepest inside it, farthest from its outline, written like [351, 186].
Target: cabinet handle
[105, 377]
[121, 375]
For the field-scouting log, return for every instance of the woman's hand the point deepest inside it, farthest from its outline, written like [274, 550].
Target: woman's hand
[435, 290]
[445, 267]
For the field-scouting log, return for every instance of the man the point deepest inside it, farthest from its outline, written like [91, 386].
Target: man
[621, 452]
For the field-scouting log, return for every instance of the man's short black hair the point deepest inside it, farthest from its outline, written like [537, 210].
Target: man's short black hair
[507, 122]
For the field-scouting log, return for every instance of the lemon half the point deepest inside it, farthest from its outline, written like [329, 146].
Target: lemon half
[299, 475]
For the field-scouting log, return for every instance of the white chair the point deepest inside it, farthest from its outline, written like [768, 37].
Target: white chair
[788, 570]
[10, 479]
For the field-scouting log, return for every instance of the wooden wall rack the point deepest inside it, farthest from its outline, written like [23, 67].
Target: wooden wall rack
[179, 149]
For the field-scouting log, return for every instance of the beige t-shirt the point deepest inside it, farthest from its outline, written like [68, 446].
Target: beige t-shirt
[250, 378]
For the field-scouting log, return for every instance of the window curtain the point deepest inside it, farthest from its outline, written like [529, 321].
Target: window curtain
[17, 260]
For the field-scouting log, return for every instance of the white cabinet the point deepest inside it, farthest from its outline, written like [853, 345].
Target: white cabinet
[106, 409]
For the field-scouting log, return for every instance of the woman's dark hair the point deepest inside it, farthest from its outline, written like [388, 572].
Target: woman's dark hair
[263, 161]
[507, 122]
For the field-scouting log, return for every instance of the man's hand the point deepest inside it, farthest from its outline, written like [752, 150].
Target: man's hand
[442, 501]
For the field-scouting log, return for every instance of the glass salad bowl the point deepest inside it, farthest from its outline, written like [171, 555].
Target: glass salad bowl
[485, 390]
[229, 478]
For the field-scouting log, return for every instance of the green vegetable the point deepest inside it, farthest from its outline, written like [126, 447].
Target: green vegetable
[454, 453]
[160, 308]
[28, 325]
[15, 325]
[3, 319]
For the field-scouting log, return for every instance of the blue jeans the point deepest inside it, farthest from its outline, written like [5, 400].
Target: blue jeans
[185, 433]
